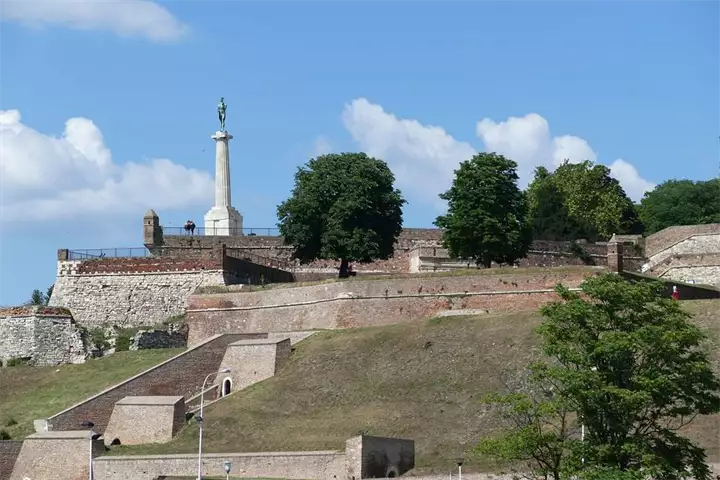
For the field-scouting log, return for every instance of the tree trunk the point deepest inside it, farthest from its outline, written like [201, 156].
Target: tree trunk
[343, 268]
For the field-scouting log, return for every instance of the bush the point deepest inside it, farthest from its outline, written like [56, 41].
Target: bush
[99, 339]
[4, 435]
[10, 422]
[581, 253]
[124, 339]
[14, 362]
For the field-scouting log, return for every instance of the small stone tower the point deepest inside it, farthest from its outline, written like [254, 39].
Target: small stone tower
[615, 255]
[152, 233]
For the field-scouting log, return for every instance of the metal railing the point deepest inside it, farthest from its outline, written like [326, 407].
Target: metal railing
[251, 232]
[91, 253]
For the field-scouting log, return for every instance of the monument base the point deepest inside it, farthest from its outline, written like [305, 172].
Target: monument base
[223, 221]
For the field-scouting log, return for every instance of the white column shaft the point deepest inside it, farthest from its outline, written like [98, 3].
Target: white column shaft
[222, 172]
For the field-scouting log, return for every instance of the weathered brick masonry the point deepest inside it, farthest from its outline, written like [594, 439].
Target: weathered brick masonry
[182, 376]
[357, 303]
[9, 450]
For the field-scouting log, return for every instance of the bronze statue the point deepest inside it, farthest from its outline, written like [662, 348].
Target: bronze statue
[221, 113]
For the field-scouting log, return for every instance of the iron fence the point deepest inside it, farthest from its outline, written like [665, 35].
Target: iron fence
[251, 232]
[91, 253]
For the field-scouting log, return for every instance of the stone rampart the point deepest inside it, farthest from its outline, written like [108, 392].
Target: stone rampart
[324, 465]
[378, 301]
[668, 237]
[40, 336]
[699, 244]
[181, 375]
[9, 450]
[364, 457]
[144, 291]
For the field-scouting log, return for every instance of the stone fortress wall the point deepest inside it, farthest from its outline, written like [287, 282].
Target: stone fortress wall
[689, 253]
[375, 301]
[40, 336]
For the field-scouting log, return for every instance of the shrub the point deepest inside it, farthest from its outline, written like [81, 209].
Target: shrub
[124, 339]
[4, 435]
[99, 339]
[10, 422]
[14, 362]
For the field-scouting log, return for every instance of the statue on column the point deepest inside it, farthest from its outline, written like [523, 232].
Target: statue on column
[221, 113]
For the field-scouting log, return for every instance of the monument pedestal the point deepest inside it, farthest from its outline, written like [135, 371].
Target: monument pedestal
[225, 221]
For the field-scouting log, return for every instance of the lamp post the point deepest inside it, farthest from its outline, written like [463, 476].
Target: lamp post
[91, 436]
[582, 425]
[460, 464]
[201, 420]
[227, 465]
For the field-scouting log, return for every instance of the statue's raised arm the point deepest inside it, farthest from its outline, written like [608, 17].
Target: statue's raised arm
[222, 108]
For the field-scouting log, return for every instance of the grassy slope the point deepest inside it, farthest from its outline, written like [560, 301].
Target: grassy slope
[29, 393]
[420, 380]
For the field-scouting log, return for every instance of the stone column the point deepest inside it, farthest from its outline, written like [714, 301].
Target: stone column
[222, 219]
[222, 169]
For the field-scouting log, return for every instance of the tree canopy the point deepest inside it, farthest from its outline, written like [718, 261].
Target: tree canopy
[486, 219]
[626, 361]
[681, 202]
[580, 200]
[343, 207]
[37, 297]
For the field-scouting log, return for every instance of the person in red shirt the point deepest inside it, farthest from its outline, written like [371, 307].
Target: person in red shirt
[675, 294]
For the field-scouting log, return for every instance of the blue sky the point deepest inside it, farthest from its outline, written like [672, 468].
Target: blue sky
[108, 107]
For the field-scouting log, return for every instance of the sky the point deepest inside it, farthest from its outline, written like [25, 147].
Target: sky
[107, 107]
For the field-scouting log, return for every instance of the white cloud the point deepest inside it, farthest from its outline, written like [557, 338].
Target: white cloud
[424, 157]
[128, 18]
[44, 177]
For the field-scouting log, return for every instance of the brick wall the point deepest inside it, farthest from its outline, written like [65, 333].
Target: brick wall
[9, 450]
[697, 244]
[245, 271]
[181, 375]
[357, 303]
[162, 418]
[56, 456]
[252, 361]
[148, 264]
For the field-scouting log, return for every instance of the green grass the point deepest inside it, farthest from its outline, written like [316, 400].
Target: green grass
[29, 393]
[210, 289]
[420, 380]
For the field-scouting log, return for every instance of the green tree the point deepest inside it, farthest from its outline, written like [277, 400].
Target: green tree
[487, 212]
[343, 207]
[595, 204]
[548, 213]
[37, 297]
[627, 361]
[681, 202]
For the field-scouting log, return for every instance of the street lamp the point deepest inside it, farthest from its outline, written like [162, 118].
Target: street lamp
[227, 465]
[201, 420]
[460, 464]
[91, 436]
[582, 425]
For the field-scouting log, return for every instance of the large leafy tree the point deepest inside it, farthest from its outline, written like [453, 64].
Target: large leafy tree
[681, 202]
[633, 369]
[595, 205]
[487, 212]
[343, 207]
[550, 217]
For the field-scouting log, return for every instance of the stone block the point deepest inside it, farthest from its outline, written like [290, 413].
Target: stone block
[378, 457]
[56, 456]
[138, 420]
[252, 361]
